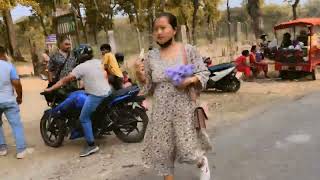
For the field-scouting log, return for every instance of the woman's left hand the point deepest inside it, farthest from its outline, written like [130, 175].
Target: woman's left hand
[187, 82]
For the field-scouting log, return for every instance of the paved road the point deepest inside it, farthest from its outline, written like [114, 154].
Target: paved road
[281, 143]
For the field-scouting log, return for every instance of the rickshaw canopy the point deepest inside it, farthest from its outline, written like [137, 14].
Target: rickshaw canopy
[298, 22]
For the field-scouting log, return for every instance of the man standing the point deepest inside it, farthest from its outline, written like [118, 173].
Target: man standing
[97, 88]
[62, 62]
[9, 81]
[111, 65]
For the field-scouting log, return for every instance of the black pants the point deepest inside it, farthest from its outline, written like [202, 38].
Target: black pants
[116, 82]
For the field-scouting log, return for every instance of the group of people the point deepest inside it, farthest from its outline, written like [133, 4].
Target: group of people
[171, 133]
[63, 70]
[98, 77]
[298, 43]
[251, 63]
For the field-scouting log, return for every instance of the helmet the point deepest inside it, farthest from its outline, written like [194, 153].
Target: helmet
[120, 57]
[83, 53]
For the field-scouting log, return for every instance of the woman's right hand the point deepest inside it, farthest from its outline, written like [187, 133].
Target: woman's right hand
[139, 65]
[139, 68]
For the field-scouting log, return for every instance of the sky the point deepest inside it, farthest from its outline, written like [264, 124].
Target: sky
[20, 11]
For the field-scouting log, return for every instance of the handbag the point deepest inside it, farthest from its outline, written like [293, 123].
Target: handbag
[200, 115]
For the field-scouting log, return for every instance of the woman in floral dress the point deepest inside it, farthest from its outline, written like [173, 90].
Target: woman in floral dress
[171, 134]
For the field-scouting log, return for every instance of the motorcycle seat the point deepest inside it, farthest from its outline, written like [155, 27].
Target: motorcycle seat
[125, 91]
[220, 67]
[118, 94]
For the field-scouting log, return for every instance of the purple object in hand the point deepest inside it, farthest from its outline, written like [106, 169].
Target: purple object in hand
[178, 73]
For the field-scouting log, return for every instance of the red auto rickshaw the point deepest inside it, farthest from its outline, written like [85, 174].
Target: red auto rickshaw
[299, 52]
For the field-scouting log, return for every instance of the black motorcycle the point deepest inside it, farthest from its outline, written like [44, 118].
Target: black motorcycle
[122, 113]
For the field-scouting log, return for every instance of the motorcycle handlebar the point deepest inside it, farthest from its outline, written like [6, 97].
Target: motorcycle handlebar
[44, 93]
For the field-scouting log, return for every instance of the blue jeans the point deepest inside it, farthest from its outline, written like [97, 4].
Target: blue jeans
[91, 104]
[75, 100]
[12, 112]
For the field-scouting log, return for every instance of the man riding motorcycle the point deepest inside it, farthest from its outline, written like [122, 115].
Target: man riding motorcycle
[96, 86]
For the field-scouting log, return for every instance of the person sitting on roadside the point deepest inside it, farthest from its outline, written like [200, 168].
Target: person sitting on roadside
[112, 67]
[257, 66]
[286, 41]
[243, 64]
[263, 42]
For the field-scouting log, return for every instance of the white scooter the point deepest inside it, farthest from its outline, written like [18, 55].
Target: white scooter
[223, 77]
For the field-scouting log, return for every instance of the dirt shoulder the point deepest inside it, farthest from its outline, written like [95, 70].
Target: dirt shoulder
[117, 160]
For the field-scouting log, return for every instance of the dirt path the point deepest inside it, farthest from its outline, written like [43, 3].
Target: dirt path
[117, 159]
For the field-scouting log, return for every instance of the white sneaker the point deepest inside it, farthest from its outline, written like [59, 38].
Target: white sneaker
[23, 154]
[205, 170]
[3, 152]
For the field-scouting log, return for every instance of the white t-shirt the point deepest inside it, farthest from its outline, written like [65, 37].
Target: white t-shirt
[92, 74]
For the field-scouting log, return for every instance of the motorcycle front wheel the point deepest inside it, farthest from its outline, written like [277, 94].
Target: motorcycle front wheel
[52, 130]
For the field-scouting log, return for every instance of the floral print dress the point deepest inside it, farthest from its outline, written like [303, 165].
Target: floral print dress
[171, 135]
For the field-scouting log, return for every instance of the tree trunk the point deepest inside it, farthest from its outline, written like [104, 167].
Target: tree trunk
[43, 25]
[162, 5]
[294, 9]
[150, 18]
[194, 20]
[95, 36]
[229, 22]
[35, 59]
[12, 38]
[214, 30]
[137, 12]
[209, 32]
[106, 29]
[186, 24]
[256, 23]
[131, 19]
[254, 10]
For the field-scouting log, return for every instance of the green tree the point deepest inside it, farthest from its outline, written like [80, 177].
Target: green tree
[99, 15]
[44, 15]
[183, 9]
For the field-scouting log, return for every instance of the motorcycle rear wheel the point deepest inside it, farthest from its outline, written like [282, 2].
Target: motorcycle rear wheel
[124, 133]
[229, 84]
[233, 86]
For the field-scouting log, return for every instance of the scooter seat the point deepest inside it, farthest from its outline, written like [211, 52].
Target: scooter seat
[220, 67]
